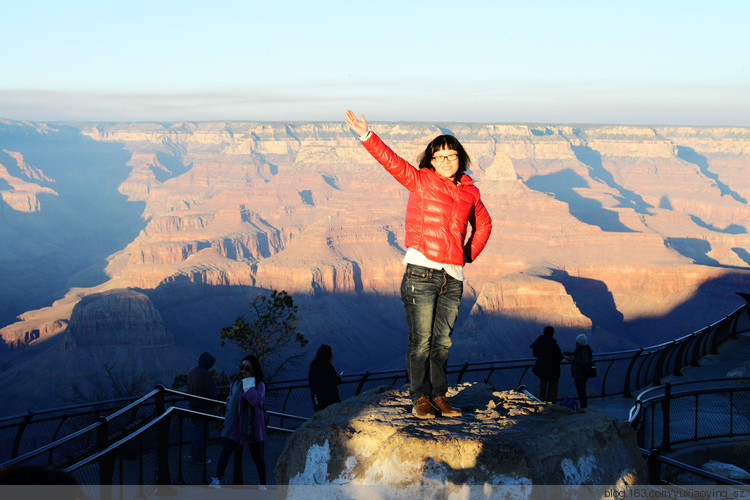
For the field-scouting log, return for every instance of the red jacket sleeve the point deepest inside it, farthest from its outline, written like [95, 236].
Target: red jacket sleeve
[400, 169]
[481, 224]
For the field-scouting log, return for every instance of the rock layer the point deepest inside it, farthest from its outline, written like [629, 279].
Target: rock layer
[501, 438]
[634, 235]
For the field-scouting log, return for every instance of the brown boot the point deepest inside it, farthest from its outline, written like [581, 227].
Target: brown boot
[423, 409]
[445, 408]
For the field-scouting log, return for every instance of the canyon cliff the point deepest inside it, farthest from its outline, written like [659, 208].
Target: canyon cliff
[633, 235]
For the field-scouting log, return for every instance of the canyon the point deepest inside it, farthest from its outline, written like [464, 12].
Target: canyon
[634, 235]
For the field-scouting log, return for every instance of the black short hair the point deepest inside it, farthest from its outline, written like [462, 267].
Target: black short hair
[445, 142]
[257, 370]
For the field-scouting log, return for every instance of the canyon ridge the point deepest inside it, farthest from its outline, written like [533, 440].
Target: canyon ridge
[634, 235]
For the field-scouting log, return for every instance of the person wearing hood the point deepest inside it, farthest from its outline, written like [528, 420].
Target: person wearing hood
[201, 383]
[580, 362]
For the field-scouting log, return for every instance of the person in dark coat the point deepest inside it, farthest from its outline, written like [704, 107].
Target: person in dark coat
[580, 362]
[323, 379]
[201, 383]
[547, 367]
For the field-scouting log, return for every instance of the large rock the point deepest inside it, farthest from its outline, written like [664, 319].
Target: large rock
[115, 317]
[502, 438]
[115, 346]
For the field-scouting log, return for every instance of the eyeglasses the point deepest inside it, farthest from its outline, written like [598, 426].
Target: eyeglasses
[245, 368]
[441, 159]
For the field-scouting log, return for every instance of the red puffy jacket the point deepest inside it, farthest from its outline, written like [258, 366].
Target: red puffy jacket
[438, 211]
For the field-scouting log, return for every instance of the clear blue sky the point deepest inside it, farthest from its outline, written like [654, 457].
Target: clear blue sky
[635, 61]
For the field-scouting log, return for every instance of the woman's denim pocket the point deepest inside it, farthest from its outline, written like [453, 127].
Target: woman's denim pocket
[418, 274]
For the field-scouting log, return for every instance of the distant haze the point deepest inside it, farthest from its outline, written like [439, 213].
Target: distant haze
[635, 62]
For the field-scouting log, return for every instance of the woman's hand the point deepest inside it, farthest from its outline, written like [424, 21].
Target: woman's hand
[248, 383]
[359, 126]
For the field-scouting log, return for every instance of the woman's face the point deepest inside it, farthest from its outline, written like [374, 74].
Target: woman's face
[246, 368]
[445, 163]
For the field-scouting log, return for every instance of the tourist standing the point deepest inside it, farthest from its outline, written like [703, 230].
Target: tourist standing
[547, 367]
[443, 203]
[245, 422]
[323, 379]
[200, 382]
[580, 363]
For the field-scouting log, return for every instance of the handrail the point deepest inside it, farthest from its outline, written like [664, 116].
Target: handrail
[133, 405]
[650, 395]
[104, 455]
[167, 414]
[52, 445]
[655, 456]
[634, 354]
[641, 371]
[659, 426]
[92, 404]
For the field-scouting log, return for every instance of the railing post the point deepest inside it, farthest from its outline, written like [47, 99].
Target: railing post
[523, 374]
[654, 467]
[162, 445]
[731, 414]
[715, 338]
[180, 439]
[159, 404]
[461, 372]
[701, 350]
[490, 371]
[283, 407]
[660, 362]
[362, 382]
[640, 424]
[19, 434]
[665, 414]
[106, 462]
[626, 390]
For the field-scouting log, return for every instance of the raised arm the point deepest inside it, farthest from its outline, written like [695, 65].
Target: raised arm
[358, 125]
[399, 168]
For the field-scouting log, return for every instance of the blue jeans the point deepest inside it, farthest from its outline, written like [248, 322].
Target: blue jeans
[431, 298]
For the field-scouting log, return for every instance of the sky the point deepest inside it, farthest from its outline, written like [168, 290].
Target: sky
[649, 62]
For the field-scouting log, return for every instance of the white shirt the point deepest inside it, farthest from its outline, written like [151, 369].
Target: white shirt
[414, 256]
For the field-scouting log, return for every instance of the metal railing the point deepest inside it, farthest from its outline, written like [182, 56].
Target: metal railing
[34, 438]
[657, 463]
[621, 373]
[678, 415]
[132, 443]
[674, 414]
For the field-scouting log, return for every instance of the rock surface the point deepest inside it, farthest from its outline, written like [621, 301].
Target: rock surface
[115, 317]
[502, 438]
[726, 470]
[115, 346]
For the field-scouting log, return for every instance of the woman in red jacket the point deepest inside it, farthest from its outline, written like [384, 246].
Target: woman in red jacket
[443, 202]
